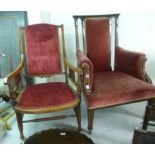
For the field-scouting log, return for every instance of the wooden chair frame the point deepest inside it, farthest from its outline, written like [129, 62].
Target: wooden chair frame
[87, 87]
[16, 89]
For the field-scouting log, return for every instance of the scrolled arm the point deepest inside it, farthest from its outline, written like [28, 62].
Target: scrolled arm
[86, 65]
[14, 79]
[132, 63]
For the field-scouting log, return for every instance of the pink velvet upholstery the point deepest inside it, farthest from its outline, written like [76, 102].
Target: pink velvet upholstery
[46, 95]
[97, 42]
[128, 83]
[42, 48]
[130, 62]
[44, 59]
[115, 88]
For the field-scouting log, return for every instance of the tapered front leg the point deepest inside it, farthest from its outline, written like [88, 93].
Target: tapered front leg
[19, 117]
[90, 120]
[78, 116]
[146, 118]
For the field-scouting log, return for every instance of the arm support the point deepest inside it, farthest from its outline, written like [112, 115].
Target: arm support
[71, 70]
[87, 79]
[14, 80]
[132, 63]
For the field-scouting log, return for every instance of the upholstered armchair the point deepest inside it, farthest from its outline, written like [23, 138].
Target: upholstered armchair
[45, 57]
[105, 85]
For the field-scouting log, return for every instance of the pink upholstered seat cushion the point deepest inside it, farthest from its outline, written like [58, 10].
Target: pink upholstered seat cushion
[114, 88]
[46, 95]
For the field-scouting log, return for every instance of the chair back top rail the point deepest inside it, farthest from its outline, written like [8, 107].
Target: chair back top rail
[83, 17]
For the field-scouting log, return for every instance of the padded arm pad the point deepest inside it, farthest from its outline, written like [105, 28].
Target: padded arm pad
[130, 62]
[85, 63]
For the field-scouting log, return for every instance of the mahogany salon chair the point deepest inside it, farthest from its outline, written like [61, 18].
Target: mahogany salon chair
[44, 44]
[103, 86]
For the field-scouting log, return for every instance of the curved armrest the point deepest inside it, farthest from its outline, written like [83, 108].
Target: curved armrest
[14, 80]
[132, 63]
[85, 63]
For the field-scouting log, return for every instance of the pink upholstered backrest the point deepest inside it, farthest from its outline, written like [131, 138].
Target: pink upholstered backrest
[42, 49]
[98, 43]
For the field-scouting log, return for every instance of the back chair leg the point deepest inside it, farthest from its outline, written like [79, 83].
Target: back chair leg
[135, 139]
[90, 120]
[77, 110]
[148, 112]
[19, 117]
[146, 118]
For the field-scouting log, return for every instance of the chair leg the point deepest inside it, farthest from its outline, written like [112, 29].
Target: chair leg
[146, 118]
[136, 137]
[19, 117]
[77, 110]
[90, 120]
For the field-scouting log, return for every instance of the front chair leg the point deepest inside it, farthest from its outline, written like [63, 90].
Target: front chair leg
[90, 120]
[77, 110]
[19, 117]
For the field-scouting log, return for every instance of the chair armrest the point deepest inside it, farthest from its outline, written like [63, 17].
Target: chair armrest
[86, 65]
[71, 70]
[132, 63]
[14, 80]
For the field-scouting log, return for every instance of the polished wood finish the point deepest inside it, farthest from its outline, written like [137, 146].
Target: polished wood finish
[43, 110]
[75, 69]
[90, 120]
[82, 17]
[48, 118]
[146, 76]
[15, 75]
[149, 109]
[17, 88]
[19, 117]
[78, 116]
[87, 87]
[71, 75]
[86, 81]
